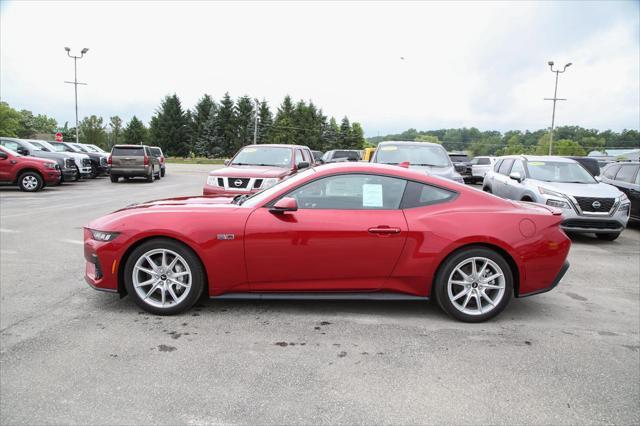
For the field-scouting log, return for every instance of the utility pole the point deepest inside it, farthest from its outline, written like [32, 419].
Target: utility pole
[75, 81]
[555, 99]
[255, 127]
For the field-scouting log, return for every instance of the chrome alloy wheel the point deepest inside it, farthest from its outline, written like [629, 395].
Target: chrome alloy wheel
[29, 182]
[162, 278]
[476, 286]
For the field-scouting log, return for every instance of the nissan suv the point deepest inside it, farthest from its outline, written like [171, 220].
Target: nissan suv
[129, 161]
[424, 156]
[257, 167]
[588, 206]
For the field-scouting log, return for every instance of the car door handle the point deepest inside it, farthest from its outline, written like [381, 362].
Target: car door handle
[384, 230]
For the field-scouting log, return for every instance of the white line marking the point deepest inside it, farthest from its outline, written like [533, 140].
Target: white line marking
[2, 251]
[8, 231]
[73, 242]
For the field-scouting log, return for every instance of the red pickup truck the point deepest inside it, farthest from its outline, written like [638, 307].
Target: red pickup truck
[31, 174]
[257, 167]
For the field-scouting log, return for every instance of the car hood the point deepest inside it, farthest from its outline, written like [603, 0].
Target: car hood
[77, 155]
[58, 156]
[186, 203]
[597, 190]
[251, 171]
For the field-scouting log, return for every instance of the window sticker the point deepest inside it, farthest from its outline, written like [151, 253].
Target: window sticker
[249, 150]
[371, 195]
[536, 163]
[388, 148]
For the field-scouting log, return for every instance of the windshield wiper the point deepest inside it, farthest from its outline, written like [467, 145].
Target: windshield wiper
[426, 164]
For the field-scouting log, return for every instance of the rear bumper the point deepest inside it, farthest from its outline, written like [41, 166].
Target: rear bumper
[130, 172]
[554, 284]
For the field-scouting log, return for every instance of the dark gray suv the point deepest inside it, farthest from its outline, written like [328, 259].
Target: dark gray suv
[129, 161]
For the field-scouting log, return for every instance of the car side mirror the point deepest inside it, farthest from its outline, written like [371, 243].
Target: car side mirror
[227, 162]
[302, 165]
[516, 176]
[22, 151]
[286, 204]
[3, 155]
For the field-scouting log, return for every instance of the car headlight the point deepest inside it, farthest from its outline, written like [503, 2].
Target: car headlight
[212, 181]
[50, 165]
[558, 203]
[624, 208]
[103, 235]
[545, 191]
[268, 183]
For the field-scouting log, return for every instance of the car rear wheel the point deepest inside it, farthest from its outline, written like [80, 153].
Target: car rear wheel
[164, 277]
[474, 284]
[158, 175]
[162, 172]
[608, 237]
[113, 178]
[94, 172]
[151, 176]
[30, 182]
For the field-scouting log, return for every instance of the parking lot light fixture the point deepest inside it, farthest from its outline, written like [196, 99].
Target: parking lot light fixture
[555, 99]
[75, 81]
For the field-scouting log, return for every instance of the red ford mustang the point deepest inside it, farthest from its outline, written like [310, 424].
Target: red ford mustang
[340, 231]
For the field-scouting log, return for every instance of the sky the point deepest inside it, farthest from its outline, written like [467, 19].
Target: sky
[390, 66]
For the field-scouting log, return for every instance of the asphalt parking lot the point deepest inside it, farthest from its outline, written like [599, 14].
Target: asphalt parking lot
[70, 354]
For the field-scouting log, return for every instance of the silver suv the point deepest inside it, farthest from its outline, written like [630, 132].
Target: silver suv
[588, 206]
[427, 156]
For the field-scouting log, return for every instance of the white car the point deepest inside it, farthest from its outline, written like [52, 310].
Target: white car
[480, 166]
[83, 162]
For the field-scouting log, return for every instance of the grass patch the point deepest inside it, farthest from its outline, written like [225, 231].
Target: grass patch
[196, 160]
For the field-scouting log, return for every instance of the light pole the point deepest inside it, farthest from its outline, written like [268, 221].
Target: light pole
[555, 99]
[75, 81]
[255, 127]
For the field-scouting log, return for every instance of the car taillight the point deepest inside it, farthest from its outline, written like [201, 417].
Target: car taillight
[109, 160]
[162, 159]
[146, 160]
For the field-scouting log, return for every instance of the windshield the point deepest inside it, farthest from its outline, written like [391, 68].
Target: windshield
[90, 148]
[263, 156]
[156, 152]
[37, 147]
[79, 147]
[416, 155]
[260, 197]
[556, 171]
[459, 158]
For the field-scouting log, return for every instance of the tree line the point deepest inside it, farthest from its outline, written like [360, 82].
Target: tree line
[567, 140]
[211, 129]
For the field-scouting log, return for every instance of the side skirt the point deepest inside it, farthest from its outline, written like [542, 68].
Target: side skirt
[319, 296]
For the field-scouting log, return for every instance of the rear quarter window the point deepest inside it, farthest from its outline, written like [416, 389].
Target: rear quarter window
[505, 166]
[128, 152]
[420, 195]
[627, 173]
[610, 171]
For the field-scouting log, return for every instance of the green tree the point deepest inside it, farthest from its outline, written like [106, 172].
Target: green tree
[330, 135]
[427, 138]
[115, 123]
[169, 128]
[357, 136]
[199, 116]
[283, 126]
[567, 147]
[135, 133]
[513, 146]
[265, 121]
[92, 131]
[245, 122]
[344, 136]
[9, 120]
[68, 133]
[205, 144]
[226, 126]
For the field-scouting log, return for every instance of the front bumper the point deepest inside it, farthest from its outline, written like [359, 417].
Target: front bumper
[222, 192]
[52, 177]
[590, 222]
[101, 266]
[69, 174]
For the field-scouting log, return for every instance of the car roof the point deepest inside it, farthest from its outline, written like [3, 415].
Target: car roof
[412, 143]
[276, 145]
[383, 169]
[128, 146]
[539, 158]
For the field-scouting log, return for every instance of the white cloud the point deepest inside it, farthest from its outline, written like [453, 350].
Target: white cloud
[467, 64]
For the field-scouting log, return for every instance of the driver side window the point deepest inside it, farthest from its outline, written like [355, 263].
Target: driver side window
[351, 192]
[518, 167]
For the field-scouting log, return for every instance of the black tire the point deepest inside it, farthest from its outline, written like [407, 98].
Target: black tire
[162, 172]
[30, 182]
[77, 177]
[94, 171]
[150, 177]
[440, 285]
[608, 237]
[113, 178]
[158, 175]
[197, 275]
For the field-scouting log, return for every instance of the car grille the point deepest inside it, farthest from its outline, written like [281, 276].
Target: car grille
[591, 224]
[103, 161]
[86, 162]
[237, 183]
[602, 205]
[69, 163]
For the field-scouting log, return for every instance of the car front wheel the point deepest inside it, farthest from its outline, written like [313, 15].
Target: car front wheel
[113, 178]
[30, 182]
[474, 284]
[164, 277]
